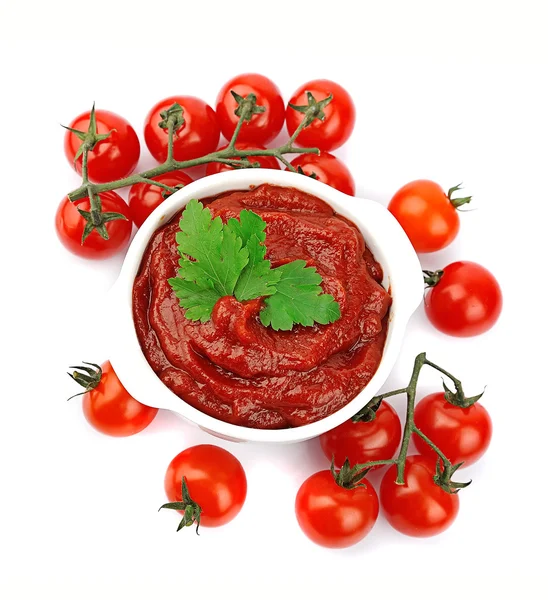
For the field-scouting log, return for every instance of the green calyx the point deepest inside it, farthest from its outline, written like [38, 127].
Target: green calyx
[247, 107]
[458, 398]
[367, 413]
[191, 510]
[90, 137]
[349, 477]
[172, 116]
[432, 278]
[457, 202]
[88, 377]
[443, 476]
[312, 110]
[97, 219]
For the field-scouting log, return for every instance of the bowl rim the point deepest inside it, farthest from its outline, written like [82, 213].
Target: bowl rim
[383, 235]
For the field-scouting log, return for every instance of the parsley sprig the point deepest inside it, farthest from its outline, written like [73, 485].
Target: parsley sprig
[230, 260]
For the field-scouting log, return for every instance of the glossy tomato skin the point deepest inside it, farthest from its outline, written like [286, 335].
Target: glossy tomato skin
[266, 162]
[363, 442]
[418, 508]
[198, 135]
[426, 215]
[333, 516]
[466, 302]
[111, 410]
[340, 116]
[328, 169]
[263, 127]
[69, 225]
[144, 197]
[112, 158]
[216, 481]
[462, 434]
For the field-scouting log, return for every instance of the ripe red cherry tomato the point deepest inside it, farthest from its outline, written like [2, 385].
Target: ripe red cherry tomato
[216, 482]
[418, 508]
[112, 158]
[111, 410]
[426, 214]
[467, 300]
[198, 135]
[462, 434]
[263, 127]
[69, 225]
[333, 516]
[329, 170]
[364, 442]
[266, 162]
[145, 197]
[340, 116]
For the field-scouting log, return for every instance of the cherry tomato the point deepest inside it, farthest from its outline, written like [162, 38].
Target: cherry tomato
[462, 434]
[363, 442]
[340, 116]
[333, 516]
[145, 197]
[112, 158]
[69, 225]
[467, 300]
[329, 170]
[263, 127]
[426, 215]
[266, 162]
[418, 508]
[216, 482]
[111, 410]
[198, 135]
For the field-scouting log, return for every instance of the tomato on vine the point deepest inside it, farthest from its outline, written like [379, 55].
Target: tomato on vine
[207, 485]
[197, 133]
[113, 145]
[145, 197]
[419, 507]
[70, 226]
[334, 510]
[264, 126]
[107, 405]
[334, 110]
[266, 162]
[427, 214]
[463, 434]
[328, 169]
[464, 299]
[362, 442]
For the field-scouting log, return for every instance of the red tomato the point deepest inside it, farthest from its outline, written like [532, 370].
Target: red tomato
[333, 516]
[263, 127]
[216, 482]
[418, 508]
[70, 227]
[462, 434]
[199, 134]
[340, 116]
[112, 158]
[363, 442]
[426, 215]
[467, 300]
[145, 197]
[267, 162]
[329, 170]
[111, 410]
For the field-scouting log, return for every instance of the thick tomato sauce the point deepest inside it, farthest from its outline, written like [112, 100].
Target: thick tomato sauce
[235, 369]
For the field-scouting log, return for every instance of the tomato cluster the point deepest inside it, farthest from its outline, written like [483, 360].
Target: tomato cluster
[116, 155]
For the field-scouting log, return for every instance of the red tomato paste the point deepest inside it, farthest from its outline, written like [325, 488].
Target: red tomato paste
[235, 369]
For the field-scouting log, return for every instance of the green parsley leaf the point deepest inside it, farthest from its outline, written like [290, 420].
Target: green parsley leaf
[197, 297]
[299, 299]
[217, 252]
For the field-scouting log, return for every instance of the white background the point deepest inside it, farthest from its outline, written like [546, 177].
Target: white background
[452, 91]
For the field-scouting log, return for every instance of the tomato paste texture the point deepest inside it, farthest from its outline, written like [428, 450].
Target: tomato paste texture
[235, 369]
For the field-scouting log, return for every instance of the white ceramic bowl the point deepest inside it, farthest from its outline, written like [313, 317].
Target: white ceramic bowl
[383, 235]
